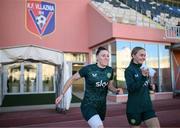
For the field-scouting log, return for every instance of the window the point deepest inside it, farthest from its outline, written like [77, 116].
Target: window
[164, 69]
[152, 61]
[48, 77]
[94, 56]
[28, 77]
[13, 78]
[30, 70]
[123, 57]
[75, 57]
[157, 58]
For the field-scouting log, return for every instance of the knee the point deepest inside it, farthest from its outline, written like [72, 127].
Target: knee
[153, 122]
[100, 126]
[96, 126]
[95, 122]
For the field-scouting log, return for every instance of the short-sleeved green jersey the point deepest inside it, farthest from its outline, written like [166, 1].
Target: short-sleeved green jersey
[97, 80]
[96, 87]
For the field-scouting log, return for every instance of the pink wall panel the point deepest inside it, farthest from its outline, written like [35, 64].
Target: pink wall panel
[132, 32]
[79, 26]
[71, 30]
[100, 27]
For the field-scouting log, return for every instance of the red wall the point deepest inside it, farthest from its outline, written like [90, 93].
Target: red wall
[102, 29]
[132, 32]
[79, 26]
[71, 29]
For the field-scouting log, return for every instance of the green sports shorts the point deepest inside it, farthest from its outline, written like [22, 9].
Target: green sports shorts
[90, 109]
[136, 118]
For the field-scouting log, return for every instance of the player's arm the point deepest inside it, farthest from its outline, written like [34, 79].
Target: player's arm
[113, 89]
[134, 85]
[68, 83]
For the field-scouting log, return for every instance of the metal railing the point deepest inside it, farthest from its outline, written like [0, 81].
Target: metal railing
[172, 32]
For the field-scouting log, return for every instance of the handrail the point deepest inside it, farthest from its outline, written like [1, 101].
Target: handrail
[172, 32]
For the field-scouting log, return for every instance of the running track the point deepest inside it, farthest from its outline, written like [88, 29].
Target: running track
[168, 112]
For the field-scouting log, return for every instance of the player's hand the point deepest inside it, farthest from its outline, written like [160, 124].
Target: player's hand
[145, 72]
[119, 91]
[58, 99]
[153, 86]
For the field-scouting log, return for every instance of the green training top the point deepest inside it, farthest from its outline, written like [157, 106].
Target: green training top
[97, 80]
[138, 91]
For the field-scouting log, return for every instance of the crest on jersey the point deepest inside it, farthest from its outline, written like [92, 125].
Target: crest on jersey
[40, 17]
[109, 75]
[133, 121]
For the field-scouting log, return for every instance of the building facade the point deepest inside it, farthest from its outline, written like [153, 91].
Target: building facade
[33, 52]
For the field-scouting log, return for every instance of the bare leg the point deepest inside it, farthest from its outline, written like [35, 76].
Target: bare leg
[100, 126]
[135, 126]
[95, 122]
[152, 123]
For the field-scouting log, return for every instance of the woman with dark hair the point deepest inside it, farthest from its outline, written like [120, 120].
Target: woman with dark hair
[139, 105]
[98, 79]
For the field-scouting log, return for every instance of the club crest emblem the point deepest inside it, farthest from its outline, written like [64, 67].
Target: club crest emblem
[40, 17]
[108, 75]
[133, 121]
